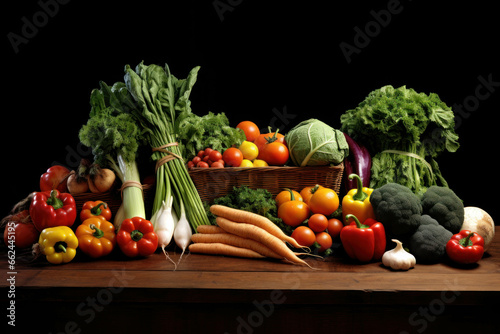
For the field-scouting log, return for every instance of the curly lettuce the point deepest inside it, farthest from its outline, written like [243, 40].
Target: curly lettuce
[404, 131]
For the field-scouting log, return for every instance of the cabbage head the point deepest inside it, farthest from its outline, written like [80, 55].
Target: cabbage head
[315, 143]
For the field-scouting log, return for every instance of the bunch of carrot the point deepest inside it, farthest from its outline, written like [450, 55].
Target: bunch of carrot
[244, 234]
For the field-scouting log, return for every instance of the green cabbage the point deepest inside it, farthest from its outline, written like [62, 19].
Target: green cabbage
[314, 143]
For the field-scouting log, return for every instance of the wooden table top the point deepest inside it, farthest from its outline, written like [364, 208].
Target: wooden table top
[231, 279]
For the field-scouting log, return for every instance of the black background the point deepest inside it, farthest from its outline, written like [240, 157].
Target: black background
[258, 60]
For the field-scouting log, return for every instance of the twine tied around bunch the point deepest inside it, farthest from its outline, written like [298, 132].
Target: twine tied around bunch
[170, 155]
[136, 184]
[412, 155]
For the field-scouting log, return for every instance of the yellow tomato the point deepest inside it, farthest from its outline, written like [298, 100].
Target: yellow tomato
[259, 163]
[325, 201]
[307, 192]
[284, 196]
[249, 150]
[246, 163]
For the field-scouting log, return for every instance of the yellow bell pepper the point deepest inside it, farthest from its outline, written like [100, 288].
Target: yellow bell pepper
[58, 244]
[357, 202]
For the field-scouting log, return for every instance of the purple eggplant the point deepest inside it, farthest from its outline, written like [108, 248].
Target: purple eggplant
[358, 162]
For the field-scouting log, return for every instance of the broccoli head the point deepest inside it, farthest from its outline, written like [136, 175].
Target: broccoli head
[397, 208]
[428, 243]
[442, 204]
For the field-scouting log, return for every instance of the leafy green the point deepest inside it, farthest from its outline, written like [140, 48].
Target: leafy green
[211, 130]
[259, 201]
[314, 143]
[404, 131]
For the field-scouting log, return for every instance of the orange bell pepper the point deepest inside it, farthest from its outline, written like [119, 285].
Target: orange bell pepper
[96, 236]
[95, 208]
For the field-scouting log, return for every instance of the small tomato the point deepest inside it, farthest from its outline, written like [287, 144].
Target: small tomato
[294, 212]
[249, 150]
[334, 227]
[318, 222]
[246, 163]
[324, 240]
[215, 155]
[304, 236]
[232, 157]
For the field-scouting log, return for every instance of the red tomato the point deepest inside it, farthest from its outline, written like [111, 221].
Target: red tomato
[250, 129]
[232, 157]
[207, 151]
[215, 155]
[202, 164]
[318, 222]
[334, 227]
[324, 240]
[304, 236]
[217, 164]
[275, 153]
[262, 139]
[196, 159]
[20, 234]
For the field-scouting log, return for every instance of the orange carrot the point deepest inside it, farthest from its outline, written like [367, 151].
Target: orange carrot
[258, 234]
[209, 229]
[223, 249]
[237, 241]
[242, 216]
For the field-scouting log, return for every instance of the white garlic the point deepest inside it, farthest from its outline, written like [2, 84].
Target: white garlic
[398, 258]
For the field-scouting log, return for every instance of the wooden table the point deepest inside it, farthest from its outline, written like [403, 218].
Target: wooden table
[215, 294]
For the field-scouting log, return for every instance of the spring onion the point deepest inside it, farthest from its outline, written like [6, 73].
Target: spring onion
[163, 101]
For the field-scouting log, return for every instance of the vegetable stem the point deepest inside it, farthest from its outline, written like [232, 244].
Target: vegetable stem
[360, 195]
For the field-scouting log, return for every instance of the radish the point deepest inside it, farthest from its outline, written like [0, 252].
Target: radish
[182, 233]
[165, 226]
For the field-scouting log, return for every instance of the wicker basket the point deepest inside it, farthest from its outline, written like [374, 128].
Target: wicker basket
[215, 182]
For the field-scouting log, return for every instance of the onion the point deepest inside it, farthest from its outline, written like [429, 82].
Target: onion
[100, 180]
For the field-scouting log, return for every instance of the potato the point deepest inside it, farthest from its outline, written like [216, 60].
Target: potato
[478, 220]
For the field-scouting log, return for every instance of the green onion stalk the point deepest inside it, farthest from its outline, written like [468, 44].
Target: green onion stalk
[161, 98]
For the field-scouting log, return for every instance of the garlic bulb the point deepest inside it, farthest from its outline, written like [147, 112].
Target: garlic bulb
[398, 258]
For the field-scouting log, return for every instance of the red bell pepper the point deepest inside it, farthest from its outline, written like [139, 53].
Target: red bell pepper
[137, 237]
[54, 178]
[363, 242]
[465, 247]
[52, 208]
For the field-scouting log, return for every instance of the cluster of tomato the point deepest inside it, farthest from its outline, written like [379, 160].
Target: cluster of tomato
[259, 149]
[308, 211]
[207, 158]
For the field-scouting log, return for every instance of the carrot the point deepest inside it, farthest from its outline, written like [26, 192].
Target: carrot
[209, 229]
[242, 216]
[237, 241]
[258, 234]
[223, 249]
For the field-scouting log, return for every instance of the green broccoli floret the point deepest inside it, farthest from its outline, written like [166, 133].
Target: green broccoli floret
[428, 243]
[442, 204]
[397, 208]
